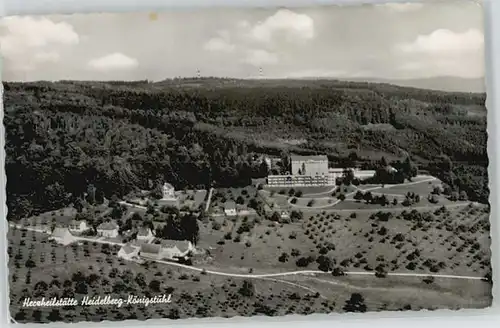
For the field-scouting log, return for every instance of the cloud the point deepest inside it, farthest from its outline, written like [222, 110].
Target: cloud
[26, 41]
[260, 57]
[444, 52]
[49, 56]
[255, 42]
[286, 23]
[220, 43]
[113, 62]
[445, 41]
[402, 7]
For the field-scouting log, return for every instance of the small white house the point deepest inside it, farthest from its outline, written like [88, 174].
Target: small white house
[128, 252]
[108, 229]
[285, 215]
[78, 226]
[230, 208]
[168, 192]
[62, 236]
[145, 234]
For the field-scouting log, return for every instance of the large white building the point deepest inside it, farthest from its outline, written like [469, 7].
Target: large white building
[312, 171]
[309, 165]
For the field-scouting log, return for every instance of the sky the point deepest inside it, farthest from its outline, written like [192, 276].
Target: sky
[390, 41]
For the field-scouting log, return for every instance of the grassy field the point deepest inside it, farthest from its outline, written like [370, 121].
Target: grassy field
[454, 242]
[257, 250]
[90, 269]
[445, 242]
[61, 217]
[191, 198]
[362, 205]
[422, 189]
[396, 294]
[241, 196]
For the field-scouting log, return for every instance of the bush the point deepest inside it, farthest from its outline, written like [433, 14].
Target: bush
[283, 257]
[338, 272]
[247, 289]
[304, 261]
[428, 280]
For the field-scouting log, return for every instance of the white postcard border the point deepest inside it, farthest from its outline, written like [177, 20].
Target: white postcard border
[432, 319]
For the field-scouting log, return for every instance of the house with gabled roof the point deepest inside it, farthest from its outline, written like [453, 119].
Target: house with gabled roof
[129, 252]
[78, 226]
[172, 249]
[167, 250]
[145, 234]
[62, 236]
[108, 229]
[168, 192]
[150, 251]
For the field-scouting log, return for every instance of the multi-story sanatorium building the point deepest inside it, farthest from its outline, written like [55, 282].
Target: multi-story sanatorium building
[312, 171]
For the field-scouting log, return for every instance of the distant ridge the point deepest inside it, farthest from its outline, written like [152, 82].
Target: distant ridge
[439, 84]
[442, 83]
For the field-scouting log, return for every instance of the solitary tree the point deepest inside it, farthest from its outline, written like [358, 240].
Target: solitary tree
[355, 304]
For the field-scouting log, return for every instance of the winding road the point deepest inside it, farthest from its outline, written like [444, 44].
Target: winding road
[330, 207]
[313, 272]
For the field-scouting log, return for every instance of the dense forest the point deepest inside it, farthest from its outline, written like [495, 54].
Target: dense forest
[122, 136]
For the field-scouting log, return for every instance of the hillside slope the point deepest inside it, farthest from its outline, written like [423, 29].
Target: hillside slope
[119, 136]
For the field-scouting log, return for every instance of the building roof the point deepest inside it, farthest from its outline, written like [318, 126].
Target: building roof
[60, 232]
[143, 232]
[168, 185]
[150, 248]
[128, 249]
[76, 223]
[230, 205]
[182, 245]
[306, 158]
[107, 226]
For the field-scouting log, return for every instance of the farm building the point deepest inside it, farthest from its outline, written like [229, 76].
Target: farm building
[128, 252]
[176, 248]
[78, 226]
[145, 234]
[150, 251]
[62, 236]
[167, 250]
[108, 229]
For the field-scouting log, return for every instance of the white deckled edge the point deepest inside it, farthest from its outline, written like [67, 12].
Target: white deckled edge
[4, 286]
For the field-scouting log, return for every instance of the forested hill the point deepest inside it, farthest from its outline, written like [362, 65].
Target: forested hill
[64, 136]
